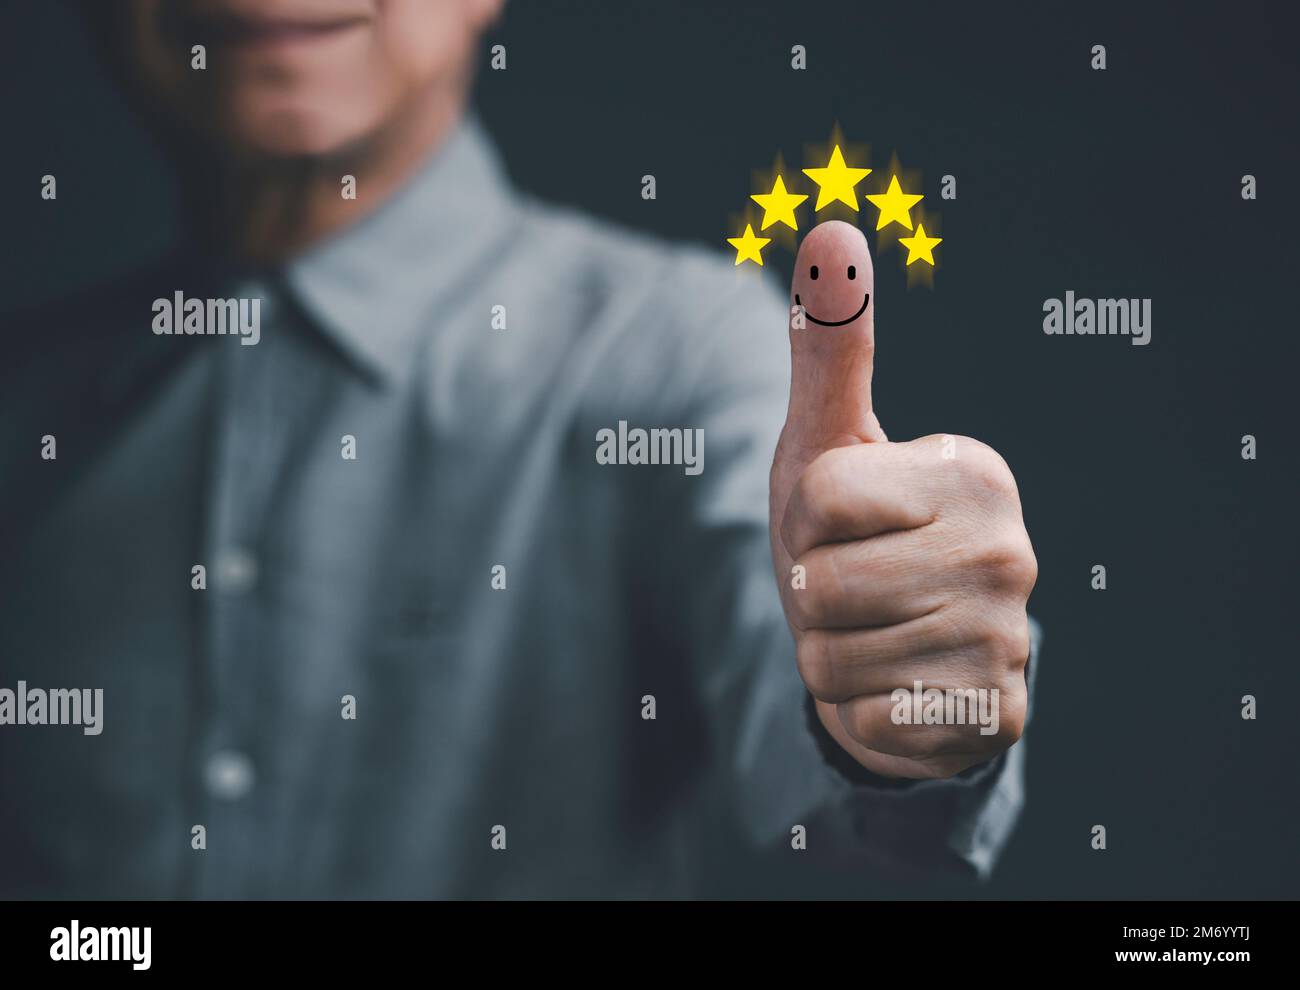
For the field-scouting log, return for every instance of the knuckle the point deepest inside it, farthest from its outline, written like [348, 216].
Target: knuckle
[1026, 567]
[791, 528]
[836, 500]
[933, 449]
[798, 608]
[1022, 571]
[1011, 719]
[813, 659]
[1013, 642]
[804, 517]
[825, 490]
[1017, 643]
[987, 470]
[1009, 563]
[1010, 731]
[858, 722]
[806, 604]
[1005, 644]
[817, 476]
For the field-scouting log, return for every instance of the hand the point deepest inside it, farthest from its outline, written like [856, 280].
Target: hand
[916, 565]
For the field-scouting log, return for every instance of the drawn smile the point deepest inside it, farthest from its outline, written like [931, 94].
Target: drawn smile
[835, 323]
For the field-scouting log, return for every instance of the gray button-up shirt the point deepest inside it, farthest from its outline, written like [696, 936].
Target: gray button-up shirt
[400, 516]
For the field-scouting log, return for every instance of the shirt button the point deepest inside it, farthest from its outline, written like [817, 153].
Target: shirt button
[236, 570]
[228, 775]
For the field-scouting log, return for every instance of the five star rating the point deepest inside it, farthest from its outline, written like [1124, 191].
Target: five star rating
[920, 247]
[749, 247]
[895, 206]
[778, 205]
[837, 182]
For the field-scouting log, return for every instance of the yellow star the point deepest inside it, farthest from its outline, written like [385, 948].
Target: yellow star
[920, 247]
[778, 205]
[836, 181]
[894, 204]
[748, 247]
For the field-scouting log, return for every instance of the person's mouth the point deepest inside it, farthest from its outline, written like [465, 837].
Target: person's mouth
[263, 33]
[835, 323]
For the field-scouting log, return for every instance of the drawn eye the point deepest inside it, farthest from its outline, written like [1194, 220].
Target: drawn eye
[813, 273]
[853, 272]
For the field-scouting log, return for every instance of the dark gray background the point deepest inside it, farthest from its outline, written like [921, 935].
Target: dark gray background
[1123, 182]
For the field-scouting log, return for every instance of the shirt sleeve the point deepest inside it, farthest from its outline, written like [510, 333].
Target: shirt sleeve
[774, 764]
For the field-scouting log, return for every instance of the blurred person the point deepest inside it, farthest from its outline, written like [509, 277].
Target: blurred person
[372, 615]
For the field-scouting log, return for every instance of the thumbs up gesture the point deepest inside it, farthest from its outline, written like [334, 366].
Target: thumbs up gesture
[901, 565]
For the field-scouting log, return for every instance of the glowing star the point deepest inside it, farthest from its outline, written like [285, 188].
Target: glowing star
[919, 247]
[894, 205]
[748, 247]
[778, 205]
[835, 182]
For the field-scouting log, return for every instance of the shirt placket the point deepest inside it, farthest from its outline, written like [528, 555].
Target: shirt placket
[235, 741]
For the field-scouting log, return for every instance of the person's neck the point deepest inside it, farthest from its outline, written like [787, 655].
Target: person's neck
[263, 211]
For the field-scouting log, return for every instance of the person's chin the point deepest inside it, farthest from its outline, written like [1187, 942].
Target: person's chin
[290, 131]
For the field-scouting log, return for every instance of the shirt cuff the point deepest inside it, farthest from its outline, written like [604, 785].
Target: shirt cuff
[961, 822]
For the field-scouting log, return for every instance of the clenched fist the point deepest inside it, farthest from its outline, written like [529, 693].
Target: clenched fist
[898, 563]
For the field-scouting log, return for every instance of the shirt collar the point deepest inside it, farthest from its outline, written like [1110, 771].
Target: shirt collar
[375, 285]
